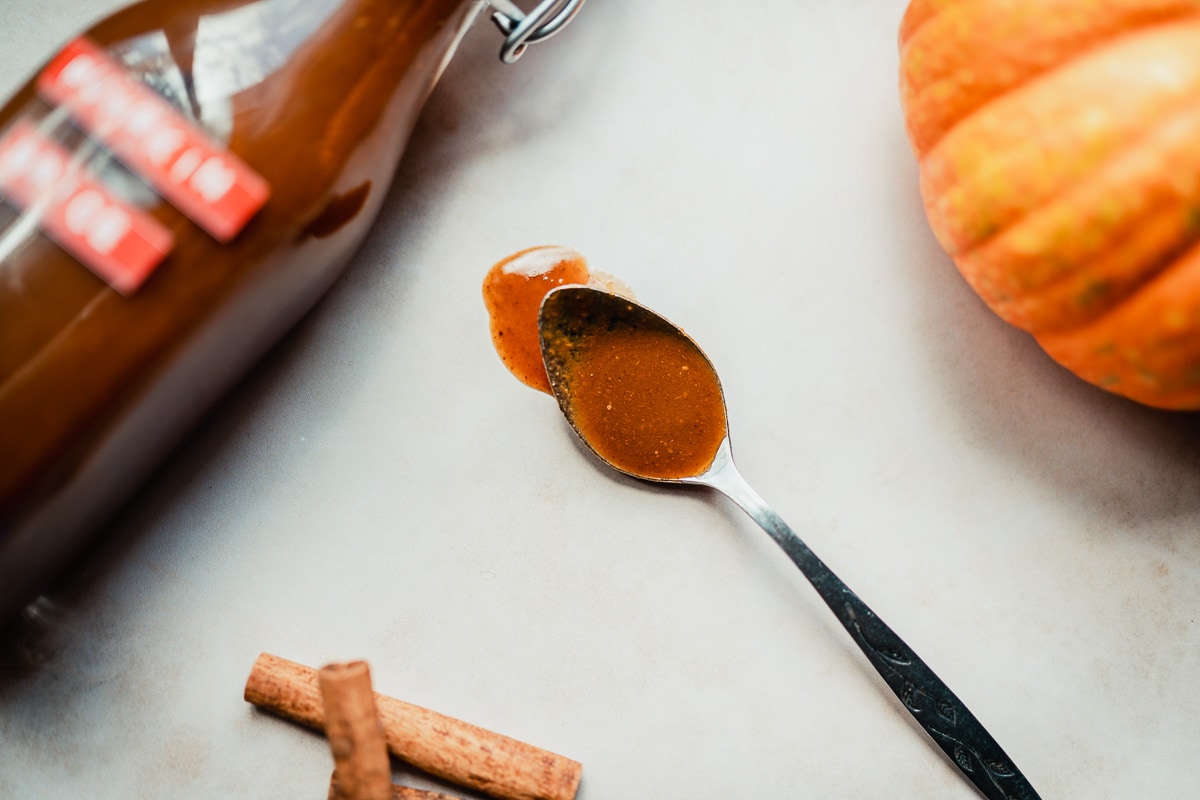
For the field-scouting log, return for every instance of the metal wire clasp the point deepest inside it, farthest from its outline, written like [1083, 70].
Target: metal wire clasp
[521, 29]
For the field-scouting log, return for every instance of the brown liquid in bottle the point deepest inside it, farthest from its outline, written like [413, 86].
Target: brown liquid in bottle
[318, 98]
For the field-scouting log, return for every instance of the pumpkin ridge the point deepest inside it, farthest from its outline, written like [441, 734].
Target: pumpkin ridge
[1139, 348]
[918, 13]
[1128, 289]
[945, 197]
[1155, 220]
[1013, 61]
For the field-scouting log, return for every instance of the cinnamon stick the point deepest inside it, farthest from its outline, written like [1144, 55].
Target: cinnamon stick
[398, 792]
[360, 755]
[457, 751]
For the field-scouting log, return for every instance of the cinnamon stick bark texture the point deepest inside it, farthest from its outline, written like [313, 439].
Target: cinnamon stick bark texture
[398, 792]
[457, 751]
[360, 755]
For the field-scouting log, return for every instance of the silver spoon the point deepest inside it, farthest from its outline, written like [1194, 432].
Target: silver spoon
[578, 328]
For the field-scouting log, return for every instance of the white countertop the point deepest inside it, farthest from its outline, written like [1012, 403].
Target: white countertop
[381, 488]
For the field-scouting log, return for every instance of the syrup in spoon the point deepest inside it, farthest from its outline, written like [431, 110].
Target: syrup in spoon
[645, 399]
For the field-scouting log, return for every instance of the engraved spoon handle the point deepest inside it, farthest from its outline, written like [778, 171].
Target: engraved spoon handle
[943, 716]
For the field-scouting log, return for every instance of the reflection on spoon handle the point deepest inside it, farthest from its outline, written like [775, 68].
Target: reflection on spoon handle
[943, 716]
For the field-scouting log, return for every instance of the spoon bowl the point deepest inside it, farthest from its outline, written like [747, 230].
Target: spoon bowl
[643, 397]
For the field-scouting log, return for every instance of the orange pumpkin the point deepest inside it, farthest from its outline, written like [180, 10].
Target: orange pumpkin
[1059, 151]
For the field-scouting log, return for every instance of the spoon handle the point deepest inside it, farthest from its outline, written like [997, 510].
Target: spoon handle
[943, 716]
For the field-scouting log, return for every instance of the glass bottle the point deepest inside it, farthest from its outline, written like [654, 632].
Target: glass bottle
[180, 185]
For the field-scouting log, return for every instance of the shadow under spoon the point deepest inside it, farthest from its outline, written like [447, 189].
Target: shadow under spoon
[644, 398]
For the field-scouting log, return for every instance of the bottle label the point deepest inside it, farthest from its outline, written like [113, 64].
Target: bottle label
[209, 184]
[120, 243]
